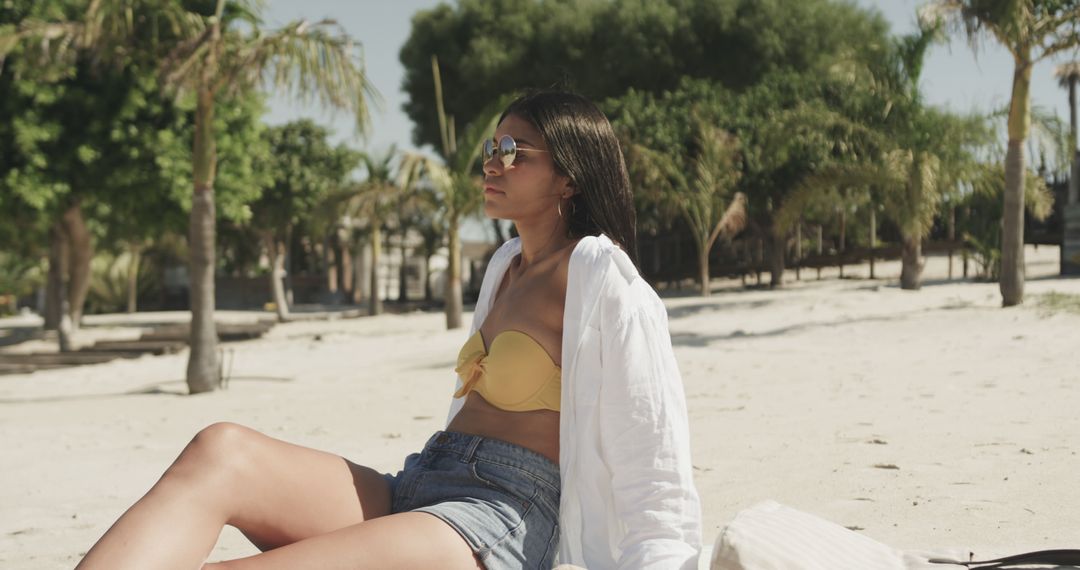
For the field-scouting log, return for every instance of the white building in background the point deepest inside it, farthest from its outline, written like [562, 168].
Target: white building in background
[477, 242]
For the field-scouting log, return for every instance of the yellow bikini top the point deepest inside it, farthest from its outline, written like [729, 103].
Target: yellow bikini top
[516, 375]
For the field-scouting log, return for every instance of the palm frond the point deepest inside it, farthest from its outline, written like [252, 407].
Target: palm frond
[467, 146]
[308, 60]
[734, 220]
[973, 19]
[716, 170]
[182, 65]
[822, 192]
[43, 41]
[1067, 73]
[422, 166]
[107, 31]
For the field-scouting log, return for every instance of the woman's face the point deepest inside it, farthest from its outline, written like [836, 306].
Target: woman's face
[529, 188]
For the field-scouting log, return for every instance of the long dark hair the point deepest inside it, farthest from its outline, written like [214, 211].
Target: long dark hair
[585, 149]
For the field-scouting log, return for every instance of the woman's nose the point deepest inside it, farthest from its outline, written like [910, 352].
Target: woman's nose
[493, 166]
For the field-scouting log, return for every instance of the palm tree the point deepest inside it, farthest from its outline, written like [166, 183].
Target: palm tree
[456, 179]
[910, 181]
[1031, 30]
[982, 229]
[704, 196]
[211, 56]
[420, 209]
[432, 228]
[369, 205]
[903, 181]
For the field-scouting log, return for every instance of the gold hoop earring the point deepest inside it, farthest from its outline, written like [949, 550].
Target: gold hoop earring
[558, 206]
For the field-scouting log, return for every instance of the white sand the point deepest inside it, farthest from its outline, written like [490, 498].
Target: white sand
[794, 395]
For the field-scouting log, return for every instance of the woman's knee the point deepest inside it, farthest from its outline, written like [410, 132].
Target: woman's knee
[220, 449]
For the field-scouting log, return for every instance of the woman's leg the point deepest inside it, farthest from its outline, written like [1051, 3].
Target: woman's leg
[404, 540]
[276, 493]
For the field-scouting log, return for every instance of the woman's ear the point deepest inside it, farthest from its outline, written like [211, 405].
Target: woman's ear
[569, 190]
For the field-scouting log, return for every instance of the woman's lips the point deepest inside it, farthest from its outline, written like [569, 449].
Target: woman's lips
[490, 191]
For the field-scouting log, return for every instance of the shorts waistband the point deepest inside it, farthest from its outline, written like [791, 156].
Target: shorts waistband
[496, 451]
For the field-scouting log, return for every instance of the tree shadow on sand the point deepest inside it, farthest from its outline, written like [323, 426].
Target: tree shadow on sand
[700, 341]
[164, 388]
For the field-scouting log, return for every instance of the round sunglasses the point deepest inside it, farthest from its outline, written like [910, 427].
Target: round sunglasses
[507, 150]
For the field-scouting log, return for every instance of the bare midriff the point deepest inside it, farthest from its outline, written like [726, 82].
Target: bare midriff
[536, 430]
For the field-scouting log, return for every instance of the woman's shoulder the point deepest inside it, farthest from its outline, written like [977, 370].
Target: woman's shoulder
[604, 269]
[598, 253]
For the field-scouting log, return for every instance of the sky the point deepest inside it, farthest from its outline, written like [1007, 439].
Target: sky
[954, 76]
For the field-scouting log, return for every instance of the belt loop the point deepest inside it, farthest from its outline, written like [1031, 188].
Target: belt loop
[470, 451]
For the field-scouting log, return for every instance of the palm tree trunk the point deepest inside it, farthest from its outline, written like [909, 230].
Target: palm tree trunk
[798, 250]
[911, 264]
[56, 307]
[952, 237]
[358, 272]
[760, 258]
[277, 270]
[58, 258]
[374, 300]
[203, 373]
[1074, 177]
[64, 330]
[820, 244]
[345, 258]
[403, 289]
[429, 295]
[843, 239]
[331, 257]
[79, 252]
[289, 264]
[453, 279]
[873, 239]
[703, 268]
[133, 278]
[777, 252]
[1012, 236]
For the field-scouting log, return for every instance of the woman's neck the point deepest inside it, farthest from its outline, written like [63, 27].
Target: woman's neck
[539, 242]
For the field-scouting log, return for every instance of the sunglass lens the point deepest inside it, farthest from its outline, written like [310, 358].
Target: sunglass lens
[507, 150]
[488, 149]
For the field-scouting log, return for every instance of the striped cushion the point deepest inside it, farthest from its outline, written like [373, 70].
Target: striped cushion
[771, 536]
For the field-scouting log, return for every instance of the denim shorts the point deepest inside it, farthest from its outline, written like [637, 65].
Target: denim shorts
[503, 499]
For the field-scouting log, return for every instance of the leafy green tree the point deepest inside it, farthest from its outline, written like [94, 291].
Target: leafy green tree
[1032, 30]
[601, 49]
[72, 134]
[211, 53]
[793, 125]
[104, 140]
[916, 159]
[302, 170]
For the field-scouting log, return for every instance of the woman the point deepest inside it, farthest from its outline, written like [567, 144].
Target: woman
[567, 438]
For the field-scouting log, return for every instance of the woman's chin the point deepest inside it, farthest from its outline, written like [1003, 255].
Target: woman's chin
[492, 212]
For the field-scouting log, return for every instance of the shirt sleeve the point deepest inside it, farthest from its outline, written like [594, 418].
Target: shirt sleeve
[645, 441]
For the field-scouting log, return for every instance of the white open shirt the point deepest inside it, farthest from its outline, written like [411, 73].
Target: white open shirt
[628, 497]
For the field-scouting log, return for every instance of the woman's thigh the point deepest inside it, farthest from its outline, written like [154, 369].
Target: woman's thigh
[280, 493]
[403, 540]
